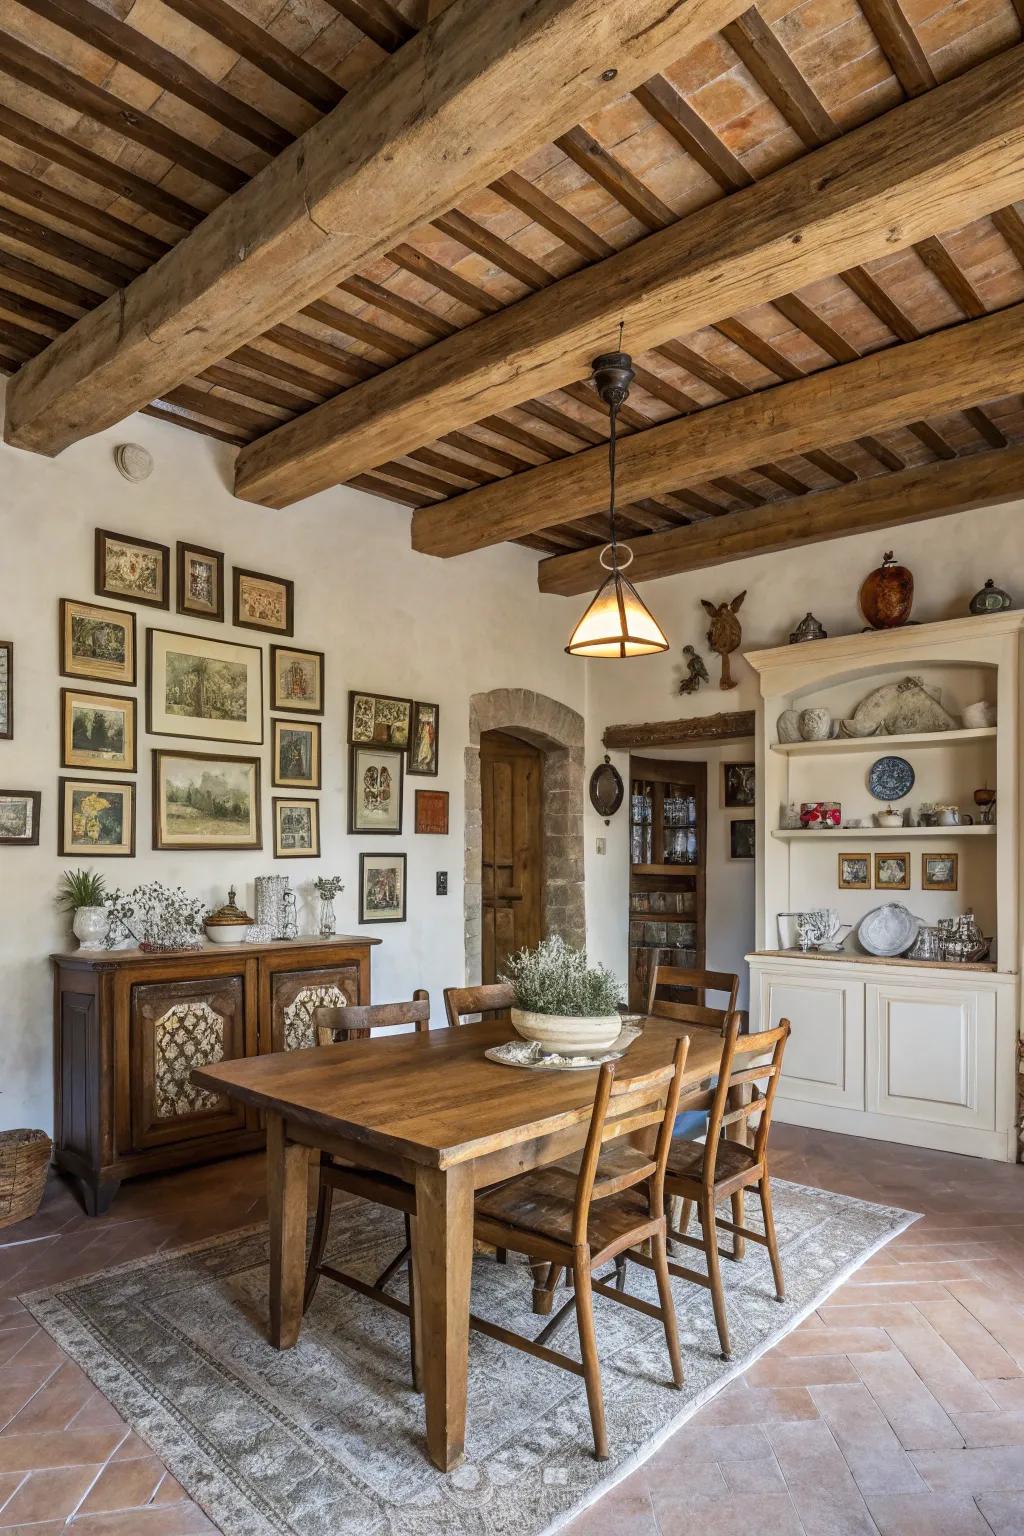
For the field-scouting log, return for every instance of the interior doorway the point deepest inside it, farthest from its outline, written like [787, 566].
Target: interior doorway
[512, 799]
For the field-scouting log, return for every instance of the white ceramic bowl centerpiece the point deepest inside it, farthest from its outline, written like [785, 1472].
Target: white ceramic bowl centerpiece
[568, 1007]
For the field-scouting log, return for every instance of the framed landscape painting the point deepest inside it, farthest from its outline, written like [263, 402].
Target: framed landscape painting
[296, 828]
[264, 602]
[200, 582]
[131, 568]
[6, 689]
[296, 761]
[375, 790]
[19, 818]
[423, 740]
[97, 731]
[204, 688]
[382, 887]
[97, 644]
[96, 818]
[297, 680]
[378, 719]
[204, 801]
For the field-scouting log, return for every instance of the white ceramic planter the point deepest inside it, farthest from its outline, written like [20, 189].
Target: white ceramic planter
[90, 926]
[567, 1035]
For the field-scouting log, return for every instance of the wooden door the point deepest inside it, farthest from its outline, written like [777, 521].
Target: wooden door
[512, 786]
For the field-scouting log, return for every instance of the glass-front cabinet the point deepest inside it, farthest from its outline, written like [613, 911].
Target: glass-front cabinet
[667, 853]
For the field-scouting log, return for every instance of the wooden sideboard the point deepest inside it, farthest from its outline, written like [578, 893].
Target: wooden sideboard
[129, 1027]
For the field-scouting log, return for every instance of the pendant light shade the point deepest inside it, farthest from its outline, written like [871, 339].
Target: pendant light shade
[617, 623]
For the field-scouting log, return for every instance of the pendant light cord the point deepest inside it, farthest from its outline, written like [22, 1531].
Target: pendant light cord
[613, 413]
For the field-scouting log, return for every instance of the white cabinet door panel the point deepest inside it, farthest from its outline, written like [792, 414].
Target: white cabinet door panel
[931, 1054]
[824, 1060]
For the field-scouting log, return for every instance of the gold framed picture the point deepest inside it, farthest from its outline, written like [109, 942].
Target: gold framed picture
[204, 801]
[133, 568]
[97, 731]
[263, 602]
[296, 828]
[854, 871]
[97, 644]
[96, 818]
[296, 680]
[296, 759]
[200, 582]
[940, 871]
[210, 690]
[892, 871]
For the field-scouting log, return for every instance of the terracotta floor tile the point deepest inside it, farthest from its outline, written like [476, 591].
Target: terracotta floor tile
[927, 1515]
[919, 1421]
[992, 1428]
[855, 1419]
[862, 1293]
[53, 1493]
[183, 1520]
[760, 1405]
[864, 1315]
[833, 1341]
[979, 1351]
[56, 1403]
[54, 1448]
[8, 1483]
[124, 1485]
[946, 1376]
[1006, 1394]
[624, 1511]
[731, 1515]
[47, 1528]
[997, 1469]
[1004, 1513]
[776, 1370]
[1003, 1319]
[132, 1445]
[170, 1491]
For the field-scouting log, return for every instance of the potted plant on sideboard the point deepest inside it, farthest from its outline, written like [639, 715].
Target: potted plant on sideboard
[566, 1005]
[85, 895]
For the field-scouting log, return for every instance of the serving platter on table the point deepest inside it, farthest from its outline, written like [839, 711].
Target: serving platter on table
[527, 1053]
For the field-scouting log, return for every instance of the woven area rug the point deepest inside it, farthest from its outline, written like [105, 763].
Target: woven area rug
[327, 1439]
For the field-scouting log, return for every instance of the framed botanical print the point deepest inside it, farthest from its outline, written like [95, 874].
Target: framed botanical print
[742, 840]
[892, 871]
[134, 569]
[204, 688]
[382, 887]
[940, 871]
[96, 818]
[375, 790]
[738, 786]
[432, 811]
[19, 817]
[200, 582]
[296, 828]
[97, 731]
[297, 680]
[376, 718]
[204, 801]
[296, 763]
[97, 644]
[423, 739]
[6, 689]
[854, 872]
[264, 602]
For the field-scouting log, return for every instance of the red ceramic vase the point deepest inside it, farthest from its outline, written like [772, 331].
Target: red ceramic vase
[887, 594]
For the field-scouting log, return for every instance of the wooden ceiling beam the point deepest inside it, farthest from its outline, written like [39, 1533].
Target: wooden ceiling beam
[947, 157]
[911, 496]
[261, 49]
[946, 371]
[399, 150]
[898, 41]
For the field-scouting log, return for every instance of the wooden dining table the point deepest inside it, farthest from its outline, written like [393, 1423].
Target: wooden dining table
[433, 1110]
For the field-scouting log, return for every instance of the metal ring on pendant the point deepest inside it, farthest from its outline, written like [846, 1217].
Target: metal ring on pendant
[617, 562]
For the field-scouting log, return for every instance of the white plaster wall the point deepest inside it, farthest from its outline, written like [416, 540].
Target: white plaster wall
[387, 619]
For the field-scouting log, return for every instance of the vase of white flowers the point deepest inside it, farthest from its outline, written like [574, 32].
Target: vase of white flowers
[567, 1006]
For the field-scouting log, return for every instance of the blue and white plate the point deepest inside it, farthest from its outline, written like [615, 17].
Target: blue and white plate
[890, 778]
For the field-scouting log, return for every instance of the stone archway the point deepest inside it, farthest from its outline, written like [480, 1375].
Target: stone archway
[558, 731]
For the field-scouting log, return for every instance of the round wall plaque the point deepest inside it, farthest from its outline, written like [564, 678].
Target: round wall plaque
[890, 778]
[606, 789]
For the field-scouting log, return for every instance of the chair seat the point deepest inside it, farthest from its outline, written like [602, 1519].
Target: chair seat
[686, 1160]
[543, 1204]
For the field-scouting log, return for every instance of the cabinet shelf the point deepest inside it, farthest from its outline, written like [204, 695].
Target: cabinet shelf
[880, 745]
[664, 869]
[839, 834]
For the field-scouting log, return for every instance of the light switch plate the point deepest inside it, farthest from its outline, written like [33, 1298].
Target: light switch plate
[442, 882]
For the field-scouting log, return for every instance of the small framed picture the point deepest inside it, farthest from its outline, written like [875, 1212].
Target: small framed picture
[296, 762]
[6, 689]
[738, 786]
[940, 871]
[378, 719]
[432, 811]
[19, 818]
[200, 582]
[423, 740]
[296, 828]
[742, 839]
[855, 872]
[382, 887]
[375, 790]
[203, 801]
[97, 731]
[297, 680]
[96, 818]
[892, 871]
[135, 569]
[264, 602]
[97, 644]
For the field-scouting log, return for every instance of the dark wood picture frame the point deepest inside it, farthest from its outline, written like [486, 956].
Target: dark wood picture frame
[386, 698]
[395, 858]
[100, 586]
[414, 713]
[184, 548]
[36, 797]
[7, 729]
[163, 846]
[733, 795]
[130, 706]
[302, 707]
[314, 727]
[736, 850]
[432, 807]
[67, 667]
[65, 844]
[399, 756]
[277, 801]
[196, 734]
[237, 575]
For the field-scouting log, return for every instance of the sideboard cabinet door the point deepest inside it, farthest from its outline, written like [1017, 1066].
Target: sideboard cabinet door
[175, 1026]
[824, 1060]
[932, 1053]
[296, 994]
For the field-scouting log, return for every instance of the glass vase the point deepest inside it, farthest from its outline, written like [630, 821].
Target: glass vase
[327, 918]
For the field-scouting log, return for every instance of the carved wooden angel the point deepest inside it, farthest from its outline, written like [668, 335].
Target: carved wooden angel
[724, 633]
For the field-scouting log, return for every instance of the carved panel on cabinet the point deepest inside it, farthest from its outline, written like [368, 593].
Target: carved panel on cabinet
[77, 1126]
[176, 1026]
[295, 995]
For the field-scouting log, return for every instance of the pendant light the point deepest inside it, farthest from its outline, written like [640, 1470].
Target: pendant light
[617, 623]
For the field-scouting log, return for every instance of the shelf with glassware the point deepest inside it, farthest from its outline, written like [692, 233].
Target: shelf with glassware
[667, 838]
[917, 1052]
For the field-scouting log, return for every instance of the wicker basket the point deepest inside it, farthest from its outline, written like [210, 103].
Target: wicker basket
[24, 1160]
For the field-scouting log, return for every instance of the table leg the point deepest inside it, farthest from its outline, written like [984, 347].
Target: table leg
[443, 1257]
[287, 1195]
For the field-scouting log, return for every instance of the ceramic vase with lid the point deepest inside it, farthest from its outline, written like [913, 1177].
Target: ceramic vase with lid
[991, 599]
[887, 594]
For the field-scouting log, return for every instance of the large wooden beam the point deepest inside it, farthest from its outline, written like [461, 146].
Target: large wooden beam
[734, 726]
[870, 506]
[479, 89]
[948, 157]
[943, 372]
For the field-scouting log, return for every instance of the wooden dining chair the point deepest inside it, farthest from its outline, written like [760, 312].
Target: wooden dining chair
[673, 978]
[576, 1214]
[704, 1174]
[334, 1026]
[462, 1003]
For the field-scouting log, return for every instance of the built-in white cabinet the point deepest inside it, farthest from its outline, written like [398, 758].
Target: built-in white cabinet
[824, 1061]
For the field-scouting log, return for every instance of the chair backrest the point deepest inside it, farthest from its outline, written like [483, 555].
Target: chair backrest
[664, 977]
[461, 1003]
[742, 1068]
[622, 1108]
[334, 1025]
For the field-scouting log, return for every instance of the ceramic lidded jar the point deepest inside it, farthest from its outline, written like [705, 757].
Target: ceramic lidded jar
[887, 594]
[991, 599]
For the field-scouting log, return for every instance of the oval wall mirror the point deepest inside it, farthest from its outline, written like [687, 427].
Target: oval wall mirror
[606, 789]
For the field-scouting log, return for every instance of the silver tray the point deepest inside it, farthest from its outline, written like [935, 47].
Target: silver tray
[528, 1054]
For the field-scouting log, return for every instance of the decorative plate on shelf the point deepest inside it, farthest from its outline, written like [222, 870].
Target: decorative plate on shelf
[890, 778]
[888, 930]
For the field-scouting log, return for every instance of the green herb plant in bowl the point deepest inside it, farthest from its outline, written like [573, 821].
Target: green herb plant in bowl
[85, 895]
[568, 1007]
